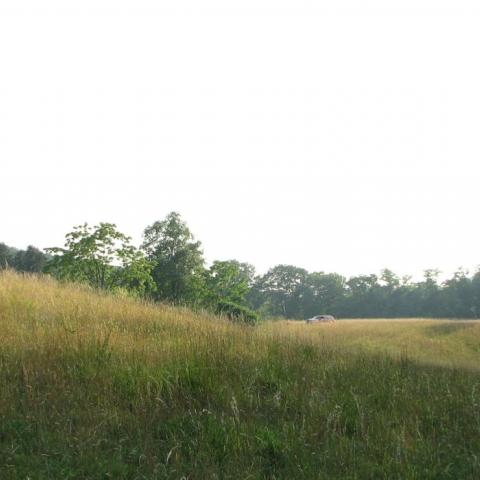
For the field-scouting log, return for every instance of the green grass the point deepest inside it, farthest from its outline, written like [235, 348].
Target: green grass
[95, 387]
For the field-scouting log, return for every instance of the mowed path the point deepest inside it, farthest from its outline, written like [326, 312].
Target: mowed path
[454, 343]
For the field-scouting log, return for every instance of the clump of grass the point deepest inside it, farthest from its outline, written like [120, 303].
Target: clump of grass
[96, 386]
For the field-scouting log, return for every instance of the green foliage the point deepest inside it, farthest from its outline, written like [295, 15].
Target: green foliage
[288, 292]
[321, 292]
[31, 260]
[103, 257]
[236, 312]
[282, 288]
[6, 256]
[177, 259]
[228, 281]
[225, 288]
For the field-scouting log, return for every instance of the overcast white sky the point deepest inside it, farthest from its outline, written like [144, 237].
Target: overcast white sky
[338, 136]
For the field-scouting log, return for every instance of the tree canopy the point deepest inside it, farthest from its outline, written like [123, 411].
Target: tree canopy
[102, 257]
[177, 260]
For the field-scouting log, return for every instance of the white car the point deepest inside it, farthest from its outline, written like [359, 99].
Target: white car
[321, 318]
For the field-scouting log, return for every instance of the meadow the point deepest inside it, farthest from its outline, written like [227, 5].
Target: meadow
[97, 386]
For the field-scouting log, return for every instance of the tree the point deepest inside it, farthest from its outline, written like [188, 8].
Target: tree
[429, 294]
[6, 256]
[30, 260]
[459, 296]
[177, 259]
[228, 281]
[363, 297]
[389, 279]
[102, 257]
[323, 293]
[476, 294]
[281, 290]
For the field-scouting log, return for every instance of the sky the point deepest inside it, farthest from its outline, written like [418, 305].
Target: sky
[335, 136]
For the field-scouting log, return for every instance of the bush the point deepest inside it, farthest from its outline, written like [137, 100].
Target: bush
[236, 312]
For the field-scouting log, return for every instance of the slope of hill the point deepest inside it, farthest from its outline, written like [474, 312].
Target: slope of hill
[96, 386]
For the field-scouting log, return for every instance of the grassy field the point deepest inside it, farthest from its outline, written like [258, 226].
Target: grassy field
[95, 387]
[451, 343]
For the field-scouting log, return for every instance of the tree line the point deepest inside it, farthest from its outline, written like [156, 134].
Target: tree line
[169, 267]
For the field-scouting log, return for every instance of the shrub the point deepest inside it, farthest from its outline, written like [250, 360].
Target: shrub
[237, 313]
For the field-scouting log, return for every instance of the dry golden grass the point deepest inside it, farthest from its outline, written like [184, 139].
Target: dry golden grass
[443, 342]
[38, 312]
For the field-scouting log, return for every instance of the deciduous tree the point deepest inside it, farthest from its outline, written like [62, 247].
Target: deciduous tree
[102, 257]
[177, 259]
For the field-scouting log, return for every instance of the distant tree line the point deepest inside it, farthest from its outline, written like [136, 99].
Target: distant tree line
[291, 292]
[169, 267]
[30, 260]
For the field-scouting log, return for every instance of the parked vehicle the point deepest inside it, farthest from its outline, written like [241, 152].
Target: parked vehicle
[321, 318]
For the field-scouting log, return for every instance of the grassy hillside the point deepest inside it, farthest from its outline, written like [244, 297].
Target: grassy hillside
[95, 386]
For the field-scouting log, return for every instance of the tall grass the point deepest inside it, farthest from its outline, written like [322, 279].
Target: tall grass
[96, 386]
[454, 343]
